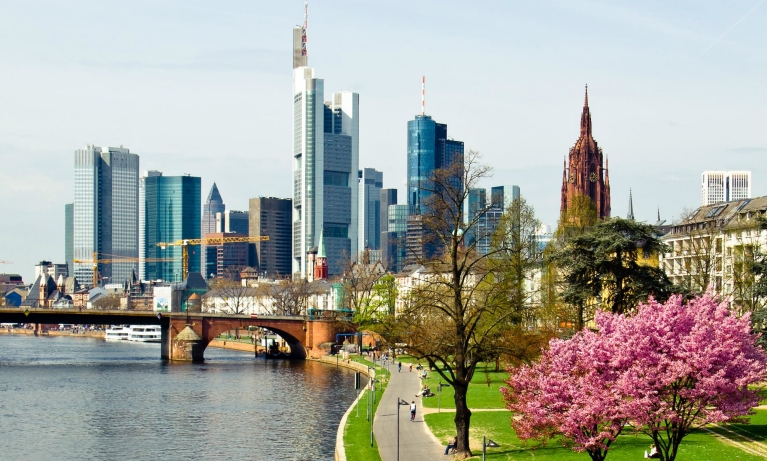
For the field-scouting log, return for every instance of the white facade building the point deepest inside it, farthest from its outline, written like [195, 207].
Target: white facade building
[106, 209]
[325, 167]
[724, 186]
[713, 246]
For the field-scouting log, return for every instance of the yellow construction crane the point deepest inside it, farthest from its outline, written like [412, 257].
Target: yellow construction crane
[184, 244]
[110, 259]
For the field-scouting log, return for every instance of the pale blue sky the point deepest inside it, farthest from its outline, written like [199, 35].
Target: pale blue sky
[205, 88]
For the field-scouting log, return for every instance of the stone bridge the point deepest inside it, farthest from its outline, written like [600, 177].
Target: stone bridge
[302, 334]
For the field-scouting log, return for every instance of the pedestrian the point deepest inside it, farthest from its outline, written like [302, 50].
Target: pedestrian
[412, 411]
[399, 367]
[411, 367]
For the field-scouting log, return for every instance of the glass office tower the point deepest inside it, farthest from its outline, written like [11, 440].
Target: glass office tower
[427, 150]
[105, 213]
[171, 213]
[325, 167]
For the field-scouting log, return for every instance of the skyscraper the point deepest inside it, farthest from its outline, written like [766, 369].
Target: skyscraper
[724, 186]
[475, 205]
[585, 175]
[213, 204]
[428, 148]
[369, 215]
[69, 237]
[142, 220]
[271, 217]
[393, 245]
[232, 221]
[105, 212]
[503, 196]
[325, 166]
[172, 212]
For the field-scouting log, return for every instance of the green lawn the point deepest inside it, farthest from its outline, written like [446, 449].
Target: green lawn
[357, 429]
[484, 394]
[483, 391]
[698, 446]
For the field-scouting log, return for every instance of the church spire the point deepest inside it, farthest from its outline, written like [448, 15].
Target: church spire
[586, 116]
[586, 99]
[630, 215]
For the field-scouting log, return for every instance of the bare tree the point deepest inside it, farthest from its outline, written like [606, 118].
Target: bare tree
[234, 297]
[288, 296]
[458, 311]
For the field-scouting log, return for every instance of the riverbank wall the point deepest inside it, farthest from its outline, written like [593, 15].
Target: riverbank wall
[340, 454]
[31, 332]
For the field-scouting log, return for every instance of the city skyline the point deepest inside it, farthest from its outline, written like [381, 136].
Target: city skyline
[685, 79]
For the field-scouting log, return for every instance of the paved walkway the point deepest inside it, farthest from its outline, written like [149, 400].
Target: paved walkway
[416, 442]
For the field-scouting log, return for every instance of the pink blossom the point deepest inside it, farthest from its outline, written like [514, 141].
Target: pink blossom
[666, 369]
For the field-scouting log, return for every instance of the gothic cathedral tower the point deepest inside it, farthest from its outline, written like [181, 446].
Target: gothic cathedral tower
[584, 173]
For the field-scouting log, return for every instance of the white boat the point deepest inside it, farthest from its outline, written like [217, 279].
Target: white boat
[145, 333]
[117, 333]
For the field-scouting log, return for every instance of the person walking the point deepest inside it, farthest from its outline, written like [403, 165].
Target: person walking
[399, 367]
[412, 411]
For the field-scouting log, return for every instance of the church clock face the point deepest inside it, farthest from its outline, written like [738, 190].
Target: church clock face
[593, 177]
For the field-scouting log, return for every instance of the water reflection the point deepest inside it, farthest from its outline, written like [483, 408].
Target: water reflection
[86, 399]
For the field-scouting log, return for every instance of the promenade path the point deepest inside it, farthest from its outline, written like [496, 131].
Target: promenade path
[416, 442]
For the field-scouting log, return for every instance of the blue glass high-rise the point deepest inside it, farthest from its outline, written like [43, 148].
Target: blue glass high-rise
[172, 212]
[428, 149]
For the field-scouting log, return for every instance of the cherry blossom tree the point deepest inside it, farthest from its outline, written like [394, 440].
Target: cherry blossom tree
[668, 369]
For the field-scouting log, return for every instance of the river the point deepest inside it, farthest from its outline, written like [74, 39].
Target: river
[88, 399]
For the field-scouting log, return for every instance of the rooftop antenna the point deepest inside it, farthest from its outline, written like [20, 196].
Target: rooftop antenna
[423, 95]
[304, 27]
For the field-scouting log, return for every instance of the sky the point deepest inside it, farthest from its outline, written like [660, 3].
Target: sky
[204, 88]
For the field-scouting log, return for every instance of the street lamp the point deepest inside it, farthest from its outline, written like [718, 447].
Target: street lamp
[439, 394]
[400, 402]
[487, 443]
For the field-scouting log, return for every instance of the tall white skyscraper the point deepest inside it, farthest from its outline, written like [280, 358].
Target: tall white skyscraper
[105, 212]
[325, 165]
[724, 186]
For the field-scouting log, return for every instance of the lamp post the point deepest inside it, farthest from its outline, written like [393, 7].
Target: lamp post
[439, 395]
[487, 443]
[400, 402]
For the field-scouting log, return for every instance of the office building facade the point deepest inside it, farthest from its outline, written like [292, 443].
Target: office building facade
[105, 212]
[142, 220]
[503, 196]
[724, 186]
[370, 184]
[428, 148]
[213, 205]
[226, 260]
[271, 217]
[325, 166]
[171, 213]
[69, 237]
[232, 221]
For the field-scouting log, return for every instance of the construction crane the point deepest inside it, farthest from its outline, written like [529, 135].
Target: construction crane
[110, 259]
[184, 244]
[5, 262]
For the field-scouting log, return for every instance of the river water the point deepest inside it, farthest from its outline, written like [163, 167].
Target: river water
[87, 399]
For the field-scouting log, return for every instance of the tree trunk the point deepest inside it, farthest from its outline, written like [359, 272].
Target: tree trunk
[462, 419]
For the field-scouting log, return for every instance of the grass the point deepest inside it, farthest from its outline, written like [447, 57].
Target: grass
[357, 429]
[484, 394]
[698, 446]
[483, 391]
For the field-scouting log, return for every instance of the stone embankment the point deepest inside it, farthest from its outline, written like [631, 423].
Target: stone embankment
[31, 332]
